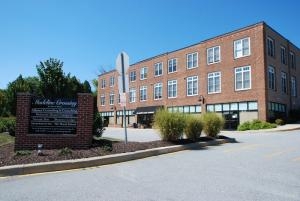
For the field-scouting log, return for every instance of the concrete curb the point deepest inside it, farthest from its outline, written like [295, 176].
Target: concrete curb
[102, 160]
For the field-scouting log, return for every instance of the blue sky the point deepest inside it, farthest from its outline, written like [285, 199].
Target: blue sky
[87, 35]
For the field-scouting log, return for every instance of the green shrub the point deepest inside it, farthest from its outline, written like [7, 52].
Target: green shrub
[193, 127]
[98, 127]
[22, 153]
[255, 125]
[212, 124]
[8, 124]
[170, 125]
[279, 122]
[244, 126]
[65, 151]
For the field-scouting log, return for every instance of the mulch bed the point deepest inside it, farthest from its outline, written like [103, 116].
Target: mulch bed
[9, 157]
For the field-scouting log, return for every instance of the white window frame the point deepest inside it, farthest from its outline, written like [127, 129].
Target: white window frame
[213, 76]
[132, 95]
[270, 50]
[172, 63]
[143, 97]
[102, 100]
[143, 73]
[213, 50]
[157, 88]
[111, 99]
[192, 81]
[292, 60]
[158, 67]
[103, 83]
[242, 70]
[284, 87]
[242, 48]
[193, 61]
[293, 86]
[132, 75]
[283, 58]
[111, 81]
[173, 85]
[271, 78]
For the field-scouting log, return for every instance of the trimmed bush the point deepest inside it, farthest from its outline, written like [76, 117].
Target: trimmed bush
[212, 124]
[193, 127]
[8, 124]
[170, 125]
[255, 125]
[279, 122]
[98, 128]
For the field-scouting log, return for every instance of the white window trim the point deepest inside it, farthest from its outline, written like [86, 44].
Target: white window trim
[243, 89]
[273, 50]
[143, 87]
[172, 65]
[187, 91]
[273, 69]
[103, 85]
[162, 69]
[218, 92]
[102, 96]
[156, 85]
[111, 94]
[236, 57]
[213, 48]
[143, 73]
[187, 61]
[283, 56]
[176, 89]
[130, 91]
[129, 76]
[111, 84]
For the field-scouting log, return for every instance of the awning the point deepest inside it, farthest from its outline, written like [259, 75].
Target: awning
[147, 110]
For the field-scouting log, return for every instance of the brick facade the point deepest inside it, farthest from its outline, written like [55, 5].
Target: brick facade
[81, 140]
[258, 60]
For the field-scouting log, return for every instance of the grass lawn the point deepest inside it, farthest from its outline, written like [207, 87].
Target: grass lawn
[5, 138]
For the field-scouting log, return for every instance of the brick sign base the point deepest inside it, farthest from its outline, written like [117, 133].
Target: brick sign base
[81, 140]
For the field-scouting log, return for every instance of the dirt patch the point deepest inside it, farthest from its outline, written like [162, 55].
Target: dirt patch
[102, 148]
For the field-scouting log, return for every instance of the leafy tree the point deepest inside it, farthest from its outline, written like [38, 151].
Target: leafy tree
[95, 85]
[34, 85]
[52, 78]
[86, 87]
[4, 111]
[19, 85]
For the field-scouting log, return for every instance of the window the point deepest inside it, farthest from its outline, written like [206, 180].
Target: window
[111, 98]
[192, 60]
[271, 47]
[103, 83]
[144, 73]
[172, 88]
[283, 55]
[213, 55]
[172, 65]
[292, 60]
[192, 86]
[132, 95]
[283, 82]
[293, 86]
[243, 78]
[158, 91]
[271, 77]
[111, 81]
[241, 48]
[132, 76]
[158, 69]
[214, 82]
[102, 100]
[143, 93]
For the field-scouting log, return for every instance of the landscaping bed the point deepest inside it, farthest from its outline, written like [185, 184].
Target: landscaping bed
[99, 148]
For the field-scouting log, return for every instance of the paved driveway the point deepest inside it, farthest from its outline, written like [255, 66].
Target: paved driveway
[261, 167]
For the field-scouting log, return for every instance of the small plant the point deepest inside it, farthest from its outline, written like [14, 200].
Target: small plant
[8, 124]
[279, 122]
[65, 151]
[255, 125]
[98, 128]
[244, 126]
[193, 127]
[212, 124]
[23, 153]
[170, 125]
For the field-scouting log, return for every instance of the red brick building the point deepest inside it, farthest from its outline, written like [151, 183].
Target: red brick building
[249, 73]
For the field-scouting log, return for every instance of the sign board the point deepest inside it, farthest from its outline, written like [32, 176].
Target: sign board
[53, 116]
[122, 65]
[123, 99]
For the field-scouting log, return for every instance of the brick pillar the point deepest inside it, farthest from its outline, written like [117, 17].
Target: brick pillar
[85, 119]
[22, 118]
